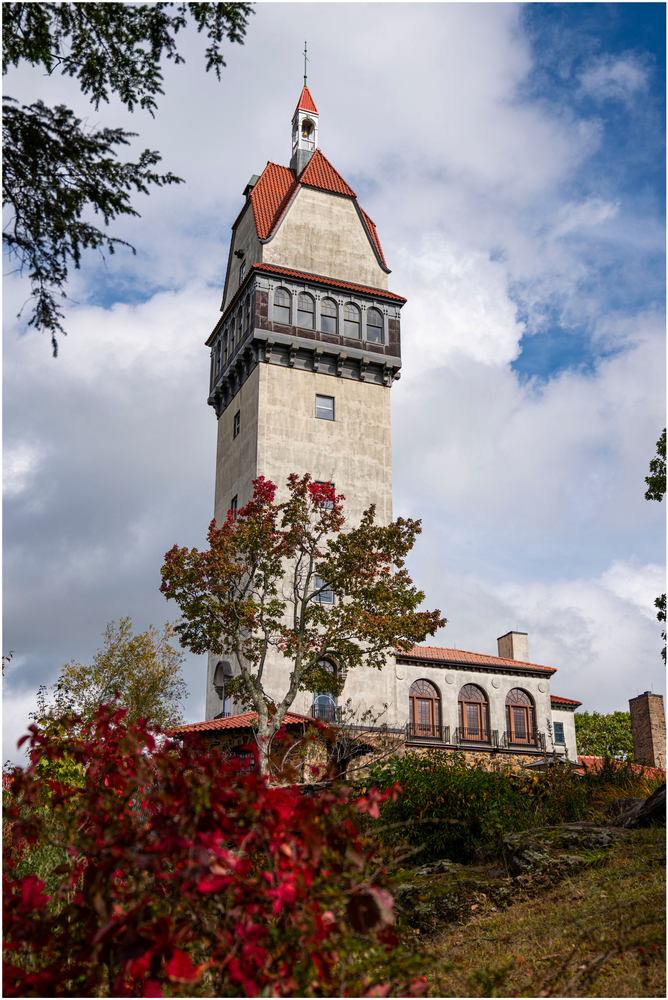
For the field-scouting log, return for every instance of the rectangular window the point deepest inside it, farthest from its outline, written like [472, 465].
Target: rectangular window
[325, 596]
[324, 407]
[237, 423]
[559, 733]
[234, 506]
[242, 271]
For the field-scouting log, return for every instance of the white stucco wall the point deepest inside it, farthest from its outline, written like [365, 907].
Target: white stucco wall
[322, 233]
[568, 719]
[244, 238]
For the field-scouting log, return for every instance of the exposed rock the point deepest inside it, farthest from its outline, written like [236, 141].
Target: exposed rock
[619, 806]
[445, 891]
[646, 812]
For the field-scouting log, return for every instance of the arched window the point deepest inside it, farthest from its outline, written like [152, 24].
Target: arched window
[282, 306]
[520, 717]
[374, 326]
[351, 321]
[425, 709]
[308, 134]
[247, 314]
[329, 316]
[324, 703]
[473, 714]
[226, 344]
[305, 311]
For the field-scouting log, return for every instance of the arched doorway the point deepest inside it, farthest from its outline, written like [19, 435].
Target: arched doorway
[520, 717]
[425, 710]
[473, 714]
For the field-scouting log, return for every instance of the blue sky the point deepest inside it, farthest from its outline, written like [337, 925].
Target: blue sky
[512, 157]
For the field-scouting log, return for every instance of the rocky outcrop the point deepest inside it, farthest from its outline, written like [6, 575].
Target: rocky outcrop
[645, 812]
[524, 863]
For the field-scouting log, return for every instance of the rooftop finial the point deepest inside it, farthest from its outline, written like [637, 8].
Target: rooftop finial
[306, 59]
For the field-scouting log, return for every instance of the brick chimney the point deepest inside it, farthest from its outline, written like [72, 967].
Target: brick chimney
[648, 729]
[514, 646]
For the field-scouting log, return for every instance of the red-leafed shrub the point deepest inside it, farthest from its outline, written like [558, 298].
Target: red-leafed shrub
[178, 876]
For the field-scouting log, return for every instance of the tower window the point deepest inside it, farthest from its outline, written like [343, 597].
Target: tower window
[281, 306]
[247, 313]
[326, 595]
[559, 737]
[234, 506]
[324, 407]
[237, 424]
[242, 271]
[329, 316]
[305, 311]
[351, 321]
[374, 326]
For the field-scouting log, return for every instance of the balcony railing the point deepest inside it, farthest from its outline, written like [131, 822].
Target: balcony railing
[326, 713]
[519, 739]
[466, 735]
[423, 731]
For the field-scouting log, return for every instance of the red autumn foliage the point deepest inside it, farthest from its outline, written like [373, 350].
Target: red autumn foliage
[184, 877]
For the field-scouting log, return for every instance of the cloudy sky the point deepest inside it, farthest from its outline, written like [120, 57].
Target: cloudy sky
[512, 158]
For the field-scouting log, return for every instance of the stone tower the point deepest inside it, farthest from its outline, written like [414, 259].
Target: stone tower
[304, 354]
[648, 729]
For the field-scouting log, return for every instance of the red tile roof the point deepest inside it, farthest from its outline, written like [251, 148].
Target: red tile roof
[306, 103]
[378, 292]
[270, 196]
[321, 174]
[245, 720]
[475, 659]
[595, 763]
[374, 235]
[556, 700]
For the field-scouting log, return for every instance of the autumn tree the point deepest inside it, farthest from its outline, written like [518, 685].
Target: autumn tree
[656, 490]
[144, 670]
[57, 172]
[259, 586]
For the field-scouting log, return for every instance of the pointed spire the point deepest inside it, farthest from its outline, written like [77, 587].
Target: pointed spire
[304, 131]
[306, 102]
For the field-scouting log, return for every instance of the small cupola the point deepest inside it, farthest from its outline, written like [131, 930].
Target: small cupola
[304, 132]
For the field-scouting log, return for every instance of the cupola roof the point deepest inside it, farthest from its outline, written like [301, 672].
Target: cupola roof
[306, 103]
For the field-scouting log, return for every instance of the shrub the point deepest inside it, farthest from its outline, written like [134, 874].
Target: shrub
[450, 807]
[174, 874]
[447, 806]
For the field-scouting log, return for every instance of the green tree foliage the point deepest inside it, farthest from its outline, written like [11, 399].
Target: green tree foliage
[604, 735]
[56, 169]
[144, 670]
[260, 585]
[656, 481]
[656, 490]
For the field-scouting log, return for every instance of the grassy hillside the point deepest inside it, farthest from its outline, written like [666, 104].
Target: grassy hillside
[600, 933]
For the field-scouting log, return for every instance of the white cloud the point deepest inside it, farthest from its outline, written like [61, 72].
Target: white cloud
[610, 78]
[19, 465]
[591, 212]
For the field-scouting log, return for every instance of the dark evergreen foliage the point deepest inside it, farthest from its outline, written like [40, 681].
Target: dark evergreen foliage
[55, 169]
